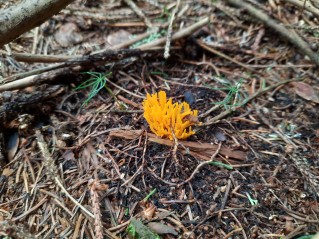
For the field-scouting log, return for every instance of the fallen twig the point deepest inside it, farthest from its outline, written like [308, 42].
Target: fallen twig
[306, 5]
[258, 93]
[84, 61]
[10, 106]
[291, 35]
[169, 31]
[139, 12]
[180, 34]
[218, 53]
[202, 164]
[32, 58]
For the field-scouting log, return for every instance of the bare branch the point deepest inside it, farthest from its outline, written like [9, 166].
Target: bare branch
[27, 15]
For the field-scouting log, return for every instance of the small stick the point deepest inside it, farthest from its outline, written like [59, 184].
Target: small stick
[84, 61]
[43, 200]
[291, 36]
[279, 133]
[32, 58]
[199, 166]
[244, 233]
[72, 198]
[306, 5]
[180, 34]
[226, 195]
[52, 170]
[139, 12]
[218, 53]
[169, 31]
[258, 93]
[229, 235]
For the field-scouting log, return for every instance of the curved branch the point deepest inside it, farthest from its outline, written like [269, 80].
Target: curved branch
[27, 15]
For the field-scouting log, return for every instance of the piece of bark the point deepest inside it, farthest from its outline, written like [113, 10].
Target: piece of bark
[202, 151]
[10, 104]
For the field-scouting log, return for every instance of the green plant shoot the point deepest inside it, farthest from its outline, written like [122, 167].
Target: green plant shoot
[96, 82]
[233, 97]
[149, 195]
[251, 200]
[220, 164]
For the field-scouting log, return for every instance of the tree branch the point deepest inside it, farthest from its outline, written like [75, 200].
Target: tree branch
[290, 35]
[27, 15]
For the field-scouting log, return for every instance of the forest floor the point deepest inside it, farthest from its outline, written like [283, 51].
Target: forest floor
[78, 159]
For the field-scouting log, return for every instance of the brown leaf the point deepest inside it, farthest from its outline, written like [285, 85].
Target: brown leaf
[7, 172]
[201, 150]
[306, 91]
[148, 213]
[68, 35]
[118, 37]
[191, 118]
[161, 228]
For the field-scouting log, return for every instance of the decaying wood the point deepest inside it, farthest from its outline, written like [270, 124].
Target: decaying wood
[11, 103]
[202, 151]
[80, 63]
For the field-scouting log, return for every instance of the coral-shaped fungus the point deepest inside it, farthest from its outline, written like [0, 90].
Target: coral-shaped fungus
[166, 118]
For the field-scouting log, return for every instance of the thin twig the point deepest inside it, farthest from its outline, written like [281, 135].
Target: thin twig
[291, 35]
[72, 198]
[169, 31]
[139, 12]
[300, 229]
[226, 195]
[229, 235]
[180, 34]
[32, 78]
[218, 53]
[244, 233]
[199, 166]
[258, 93]
[306, 5]
[43, 200]
[279, 133]
[33, 58]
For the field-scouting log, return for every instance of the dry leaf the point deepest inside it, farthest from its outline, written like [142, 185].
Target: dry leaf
[7, 172]
[191, 118]
[202, 151]
[68, 35]
[148, 213]
[305, 91]
[161, 228]
[118, 37]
